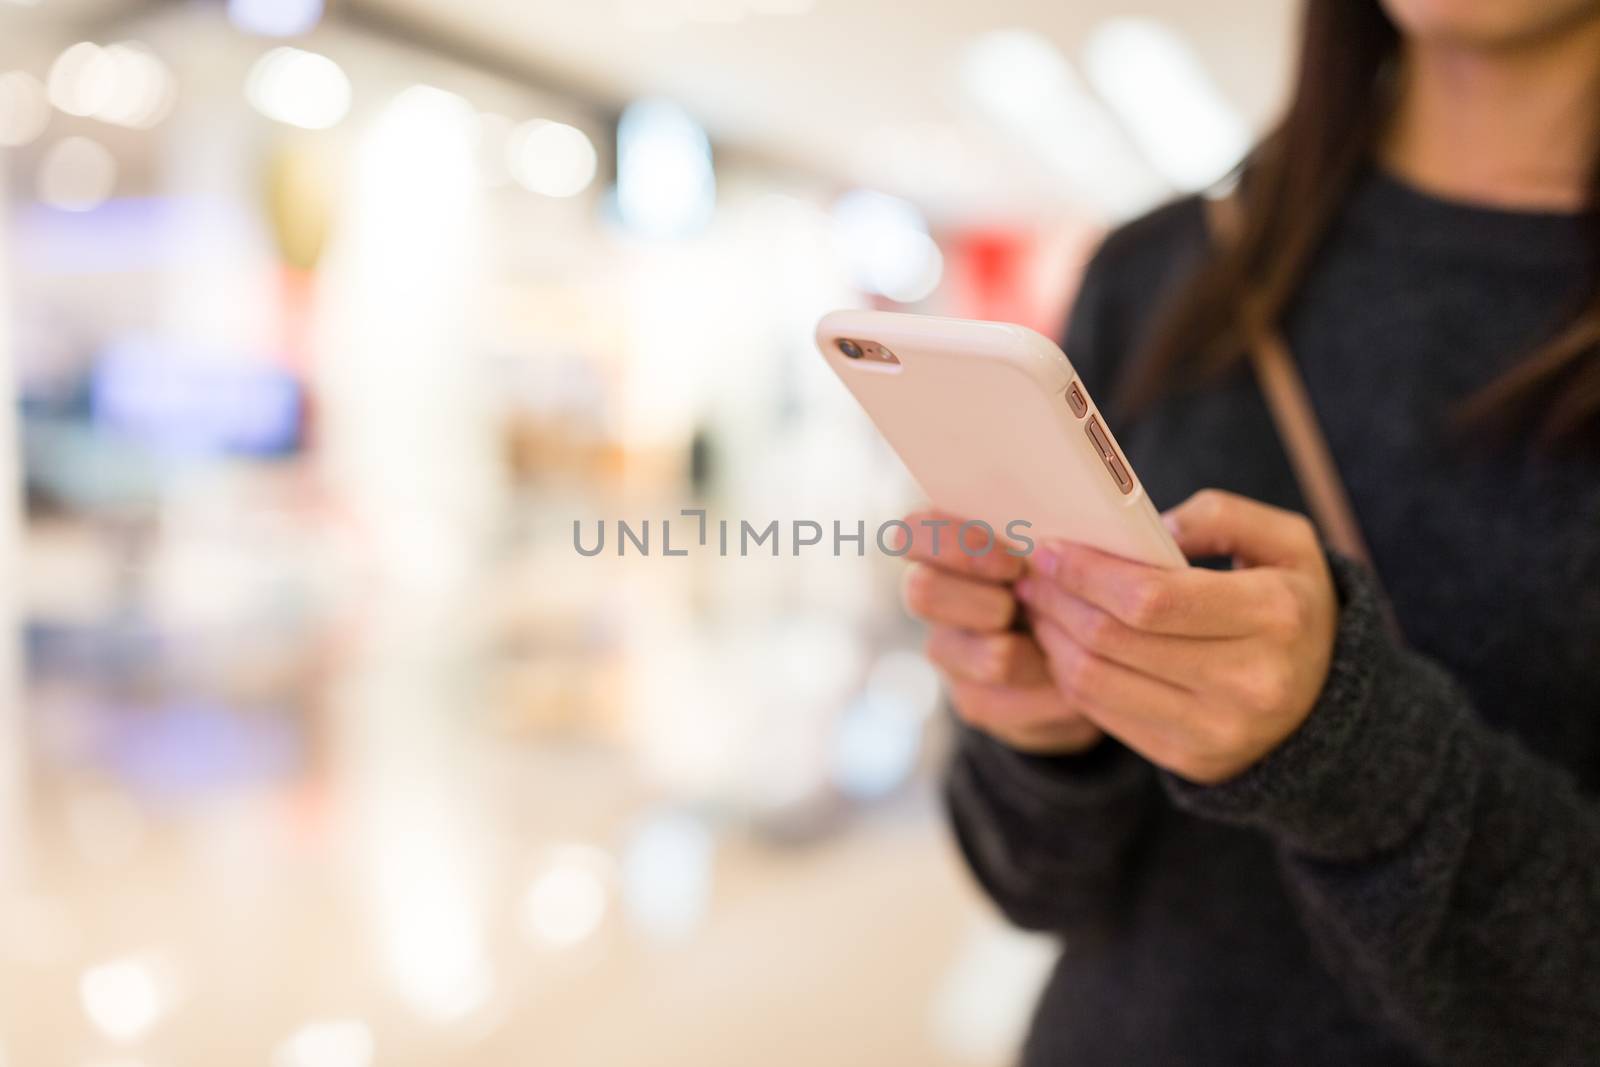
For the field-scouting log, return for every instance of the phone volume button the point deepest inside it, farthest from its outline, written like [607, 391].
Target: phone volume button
[1102, 442]
[1120, 474]
[1108, 455]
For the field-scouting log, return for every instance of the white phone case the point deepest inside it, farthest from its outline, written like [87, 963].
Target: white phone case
[994, 425]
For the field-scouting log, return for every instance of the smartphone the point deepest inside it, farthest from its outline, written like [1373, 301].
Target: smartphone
[993, 423]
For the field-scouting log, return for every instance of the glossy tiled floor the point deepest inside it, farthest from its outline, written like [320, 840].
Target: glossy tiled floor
[421, 843]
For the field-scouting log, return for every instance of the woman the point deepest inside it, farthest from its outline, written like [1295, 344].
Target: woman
[1269, 830]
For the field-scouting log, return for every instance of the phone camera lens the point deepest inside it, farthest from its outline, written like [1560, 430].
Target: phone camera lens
[851, 349]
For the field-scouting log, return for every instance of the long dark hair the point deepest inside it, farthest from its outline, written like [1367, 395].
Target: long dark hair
[1293, 185]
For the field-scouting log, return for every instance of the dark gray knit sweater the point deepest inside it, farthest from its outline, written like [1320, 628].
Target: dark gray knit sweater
[1414, 876]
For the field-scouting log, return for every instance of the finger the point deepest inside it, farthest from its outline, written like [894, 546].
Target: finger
[1060, 737]
[1120, 700]
[1184, 602]
[961, 546]
[993, 659]
[1033, 718]
[1186, 662]
[1010, 708]
[941, 597]
[1217, 523]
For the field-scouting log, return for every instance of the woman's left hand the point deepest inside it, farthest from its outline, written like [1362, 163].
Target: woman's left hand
[1203, 672]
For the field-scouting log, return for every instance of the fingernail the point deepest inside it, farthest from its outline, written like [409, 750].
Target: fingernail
[1170, 521]
[1046, 560]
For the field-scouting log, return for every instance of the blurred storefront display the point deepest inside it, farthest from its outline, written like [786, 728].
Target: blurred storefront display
[330, 750]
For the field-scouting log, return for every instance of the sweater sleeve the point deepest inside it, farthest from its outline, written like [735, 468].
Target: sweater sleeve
[1048, 838]
[1447, 874]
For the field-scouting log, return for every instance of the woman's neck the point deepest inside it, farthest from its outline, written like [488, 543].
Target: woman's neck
[1515, 127]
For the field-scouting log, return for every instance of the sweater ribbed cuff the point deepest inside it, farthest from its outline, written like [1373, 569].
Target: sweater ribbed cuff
[1042, 784]
[1354, 777]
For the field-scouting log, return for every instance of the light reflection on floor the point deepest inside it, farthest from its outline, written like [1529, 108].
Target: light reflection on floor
[420, 843]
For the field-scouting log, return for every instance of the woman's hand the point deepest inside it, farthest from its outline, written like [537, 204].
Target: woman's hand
[997, 676]
[1202, 672]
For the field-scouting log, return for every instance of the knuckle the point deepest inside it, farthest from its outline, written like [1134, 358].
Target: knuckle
[994, 565]
[1000, 659]
[1226, 734]
[1002, 612]
[1148, 603]
[1101, 631]
[1264, 687]
[1078, 672]
[1285, 613]
[1299, 612]
[1304, 529]
[1278, 684]
[1210, 503]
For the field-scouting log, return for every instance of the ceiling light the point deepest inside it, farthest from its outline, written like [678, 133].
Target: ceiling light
[566, 901]
[667, 871]
[886, 242]
[1156, 86]
[275, 18]
[124, 83]
[666, 185]
[144, 89]
[299, 88]
[551, 158]
[1027, 87]
[123, 998]
[83, 79]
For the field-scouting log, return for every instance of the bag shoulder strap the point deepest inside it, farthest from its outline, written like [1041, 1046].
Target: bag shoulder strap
[1293, 416]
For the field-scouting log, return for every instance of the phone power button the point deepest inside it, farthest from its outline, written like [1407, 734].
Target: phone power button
[1075, 398]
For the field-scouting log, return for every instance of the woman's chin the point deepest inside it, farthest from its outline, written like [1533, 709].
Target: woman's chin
[1487, 24]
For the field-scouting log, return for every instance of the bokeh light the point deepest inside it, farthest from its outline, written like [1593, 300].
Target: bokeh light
[125, 84]
[275, 18]
[144, 87]
[666, 186]
[667, 874]
[327, 1043]
[125, 997]
[551, 158]
[83, 79]
[299, 88]
[566, 900]
[887, 241]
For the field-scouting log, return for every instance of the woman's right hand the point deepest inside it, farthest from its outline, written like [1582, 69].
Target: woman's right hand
[998, 676]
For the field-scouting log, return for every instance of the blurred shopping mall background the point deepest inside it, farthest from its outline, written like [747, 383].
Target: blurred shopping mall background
[322, 747]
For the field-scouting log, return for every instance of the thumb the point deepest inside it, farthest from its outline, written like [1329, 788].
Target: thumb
[1213, 522]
